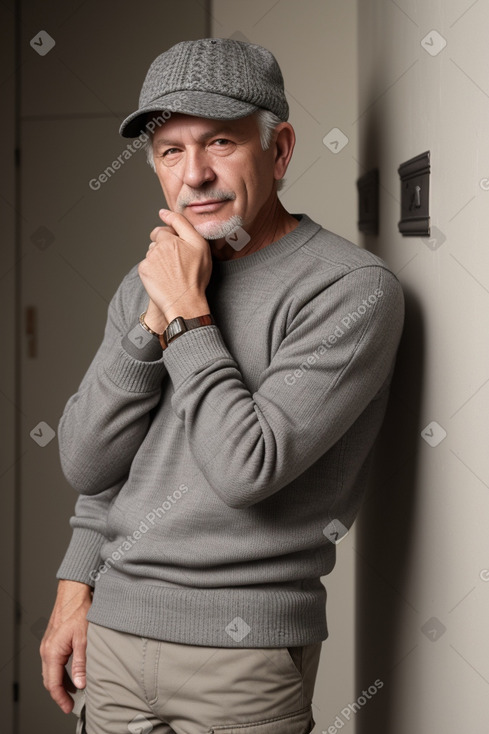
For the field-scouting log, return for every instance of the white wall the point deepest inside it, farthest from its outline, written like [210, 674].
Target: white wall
[422, 535]
[315, 44]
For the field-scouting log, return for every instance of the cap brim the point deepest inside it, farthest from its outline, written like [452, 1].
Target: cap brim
[199, 104]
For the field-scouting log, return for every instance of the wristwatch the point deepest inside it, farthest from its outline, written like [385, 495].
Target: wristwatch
[179, 326]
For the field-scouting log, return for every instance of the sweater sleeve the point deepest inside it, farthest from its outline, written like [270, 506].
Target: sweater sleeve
[105, 422]
[336, 357]
[82, 557]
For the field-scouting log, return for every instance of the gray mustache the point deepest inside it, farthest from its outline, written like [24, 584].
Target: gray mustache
[187, 199]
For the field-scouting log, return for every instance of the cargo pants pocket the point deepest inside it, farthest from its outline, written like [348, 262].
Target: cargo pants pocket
[297, 722]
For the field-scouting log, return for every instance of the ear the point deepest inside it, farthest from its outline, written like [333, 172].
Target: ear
[283, 144]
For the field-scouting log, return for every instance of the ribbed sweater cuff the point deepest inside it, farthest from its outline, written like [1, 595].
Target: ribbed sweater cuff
[141, 345]
[193, 351]
[82, 556]
[134, 375]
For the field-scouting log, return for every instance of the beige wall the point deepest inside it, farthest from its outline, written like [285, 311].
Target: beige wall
[422, 536]
[315, 44]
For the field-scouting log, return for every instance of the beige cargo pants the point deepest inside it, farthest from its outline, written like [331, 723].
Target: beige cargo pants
[140, 685]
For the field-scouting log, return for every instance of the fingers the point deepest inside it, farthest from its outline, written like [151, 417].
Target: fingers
[66, 636]
[178, 225]
[157, 230]
[55, 678]
[58, 644]
[182, 227]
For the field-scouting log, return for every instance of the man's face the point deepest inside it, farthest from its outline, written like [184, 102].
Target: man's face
[214, 172]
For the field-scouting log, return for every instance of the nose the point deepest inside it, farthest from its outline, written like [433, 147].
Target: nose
[197, 170]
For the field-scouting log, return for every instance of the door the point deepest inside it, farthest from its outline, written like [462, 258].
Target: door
[82, 224]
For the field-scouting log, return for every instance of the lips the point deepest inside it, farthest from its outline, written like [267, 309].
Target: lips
[208, 205]
[200, 202]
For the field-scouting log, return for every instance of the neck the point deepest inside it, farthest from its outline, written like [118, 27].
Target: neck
[272, 223]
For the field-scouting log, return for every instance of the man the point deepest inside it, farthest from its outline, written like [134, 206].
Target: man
[220, 439]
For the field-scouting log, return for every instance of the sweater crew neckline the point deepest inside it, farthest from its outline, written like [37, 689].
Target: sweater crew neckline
[285, 245]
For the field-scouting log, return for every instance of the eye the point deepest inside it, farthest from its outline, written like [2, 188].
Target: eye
[170, 156]
[222, 146]
[169, 151]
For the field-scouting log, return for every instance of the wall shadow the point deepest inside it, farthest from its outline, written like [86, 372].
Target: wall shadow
[385, 527]
[385, 532]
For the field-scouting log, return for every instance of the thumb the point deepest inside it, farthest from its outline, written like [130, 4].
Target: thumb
[79, 663]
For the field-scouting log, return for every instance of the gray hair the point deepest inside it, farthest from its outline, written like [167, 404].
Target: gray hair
[267, 122]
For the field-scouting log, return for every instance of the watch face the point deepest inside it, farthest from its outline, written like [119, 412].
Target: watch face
[175, 328]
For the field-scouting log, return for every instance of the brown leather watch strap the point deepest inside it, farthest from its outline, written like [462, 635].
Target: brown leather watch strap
[179, 326]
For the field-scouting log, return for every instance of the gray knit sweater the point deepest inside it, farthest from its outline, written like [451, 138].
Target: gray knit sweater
[217, 478]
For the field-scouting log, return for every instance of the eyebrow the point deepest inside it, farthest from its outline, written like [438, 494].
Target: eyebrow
[162, 142]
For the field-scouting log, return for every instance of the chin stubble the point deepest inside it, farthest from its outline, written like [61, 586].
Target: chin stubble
[212, 230]
[216, 230]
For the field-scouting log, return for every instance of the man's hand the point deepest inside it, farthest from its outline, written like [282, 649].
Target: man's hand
[66, 633]
[175, 272]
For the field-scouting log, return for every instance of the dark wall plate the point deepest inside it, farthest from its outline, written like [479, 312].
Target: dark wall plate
[415, 196]
[368, 202]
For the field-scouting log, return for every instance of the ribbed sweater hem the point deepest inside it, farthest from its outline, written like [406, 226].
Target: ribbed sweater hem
[278, 616]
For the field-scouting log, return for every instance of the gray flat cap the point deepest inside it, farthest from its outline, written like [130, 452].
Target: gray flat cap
[217, 78]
